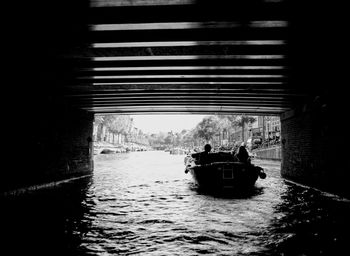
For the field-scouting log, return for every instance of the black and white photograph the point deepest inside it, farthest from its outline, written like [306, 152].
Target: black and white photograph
[175, 127]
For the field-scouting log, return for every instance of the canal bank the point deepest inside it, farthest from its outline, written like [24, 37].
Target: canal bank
[271, 153]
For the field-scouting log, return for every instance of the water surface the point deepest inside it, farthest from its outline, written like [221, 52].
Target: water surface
[142, 203]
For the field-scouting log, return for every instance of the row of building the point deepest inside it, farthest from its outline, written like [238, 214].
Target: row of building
[266, 129]
[102, 133]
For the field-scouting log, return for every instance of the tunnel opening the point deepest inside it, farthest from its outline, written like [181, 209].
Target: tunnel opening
[117, 135]
[188, 131]
[145, 149]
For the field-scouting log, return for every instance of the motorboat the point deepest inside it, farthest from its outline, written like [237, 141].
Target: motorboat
[221, 170]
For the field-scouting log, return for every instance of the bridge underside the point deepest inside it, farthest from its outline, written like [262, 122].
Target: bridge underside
[178, 57]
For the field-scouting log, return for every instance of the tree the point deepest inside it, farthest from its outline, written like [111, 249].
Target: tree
[245, 120]
[207, 128]
[98, 124]
[224, 124]
[116, 124]
[188, 139]
[169, 139]
[157, 139]
[99, 119]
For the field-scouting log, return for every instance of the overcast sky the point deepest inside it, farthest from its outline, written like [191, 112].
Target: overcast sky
[166, 123]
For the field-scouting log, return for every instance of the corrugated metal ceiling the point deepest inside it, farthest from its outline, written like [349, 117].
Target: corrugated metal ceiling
[151, 56]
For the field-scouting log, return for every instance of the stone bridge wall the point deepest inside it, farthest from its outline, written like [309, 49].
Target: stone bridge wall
[57, 145]
[313, 152]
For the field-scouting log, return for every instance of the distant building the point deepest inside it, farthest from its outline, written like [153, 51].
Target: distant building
[267, 127]
[273, 127]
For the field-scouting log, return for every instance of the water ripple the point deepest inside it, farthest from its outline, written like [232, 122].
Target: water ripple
[142, 203]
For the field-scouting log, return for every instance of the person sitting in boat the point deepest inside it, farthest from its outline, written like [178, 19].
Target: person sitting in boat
[242, 155]
[203, 157]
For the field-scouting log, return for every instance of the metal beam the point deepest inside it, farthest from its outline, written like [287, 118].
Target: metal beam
[182, 68]
[190, 57]
[187, 43]
[188, 25]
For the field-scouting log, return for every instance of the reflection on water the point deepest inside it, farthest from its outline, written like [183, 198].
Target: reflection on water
[143, 203]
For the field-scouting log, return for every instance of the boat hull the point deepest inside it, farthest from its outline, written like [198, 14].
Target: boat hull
[225, 175]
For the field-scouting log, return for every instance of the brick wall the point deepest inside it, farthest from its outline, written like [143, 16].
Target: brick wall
[312, 150]
[54, 145]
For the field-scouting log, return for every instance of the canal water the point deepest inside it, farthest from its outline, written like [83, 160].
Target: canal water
[143, 203]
